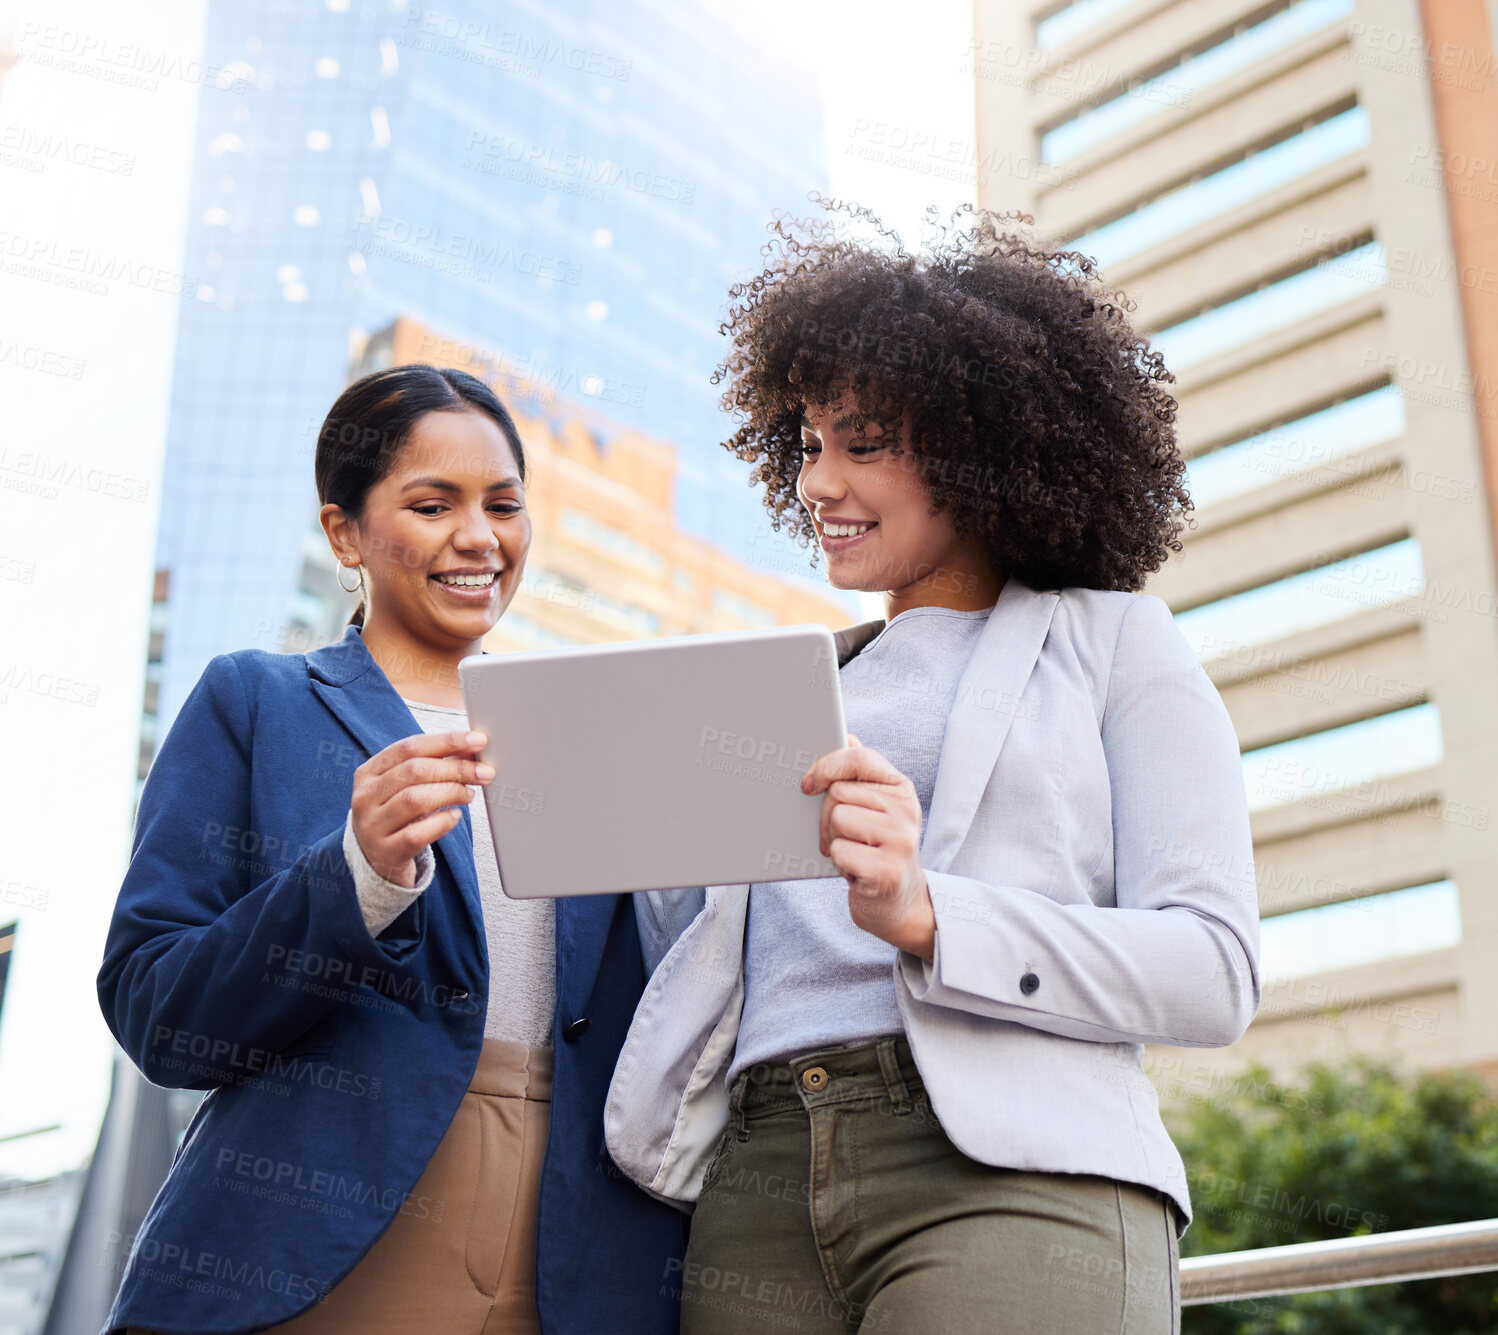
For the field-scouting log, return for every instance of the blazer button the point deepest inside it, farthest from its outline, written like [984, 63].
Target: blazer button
[577, 1029]
[1028, 983]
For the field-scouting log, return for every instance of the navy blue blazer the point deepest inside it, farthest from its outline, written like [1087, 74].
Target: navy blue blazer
[237, 961]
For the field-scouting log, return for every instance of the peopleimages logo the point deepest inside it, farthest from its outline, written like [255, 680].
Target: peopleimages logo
[383, 234]
[295, 1183]
[260, 1068]
[45, 257]
[223, 1276]
[523, 46]
[127, 64]
[493, 151]
[43, 146]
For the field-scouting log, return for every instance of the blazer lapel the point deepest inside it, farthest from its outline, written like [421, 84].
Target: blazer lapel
[988, 695]
[346, 678]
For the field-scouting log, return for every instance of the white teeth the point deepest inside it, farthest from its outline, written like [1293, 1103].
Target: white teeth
[845, 530]
[467, 581]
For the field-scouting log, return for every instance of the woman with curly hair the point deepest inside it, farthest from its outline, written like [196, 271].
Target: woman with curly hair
[911, 1097]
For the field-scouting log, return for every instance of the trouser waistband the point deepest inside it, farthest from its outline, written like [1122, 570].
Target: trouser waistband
[513, 1070]
[882, 1069]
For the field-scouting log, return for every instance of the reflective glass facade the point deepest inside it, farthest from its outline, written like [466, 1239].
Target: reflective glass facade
[535, 183]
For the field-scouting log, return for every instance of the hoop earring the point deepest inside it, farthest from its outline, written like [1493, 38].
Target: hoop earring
[358, 577]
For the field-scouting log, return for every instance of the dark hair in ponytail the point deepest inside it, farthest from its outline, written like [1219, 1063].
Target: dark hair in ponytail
[372, 419]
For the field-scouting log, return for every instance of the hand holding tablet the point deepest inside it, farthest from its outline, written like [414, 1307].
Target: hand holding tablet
[656, 764]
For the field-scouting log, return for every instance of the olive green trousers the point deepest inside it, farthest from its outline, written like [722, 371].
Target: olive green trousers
[835, 1203]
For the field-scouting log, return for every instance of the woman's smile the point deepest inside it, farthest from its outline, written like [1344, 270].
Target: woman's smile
[835, 537]
[466, 586]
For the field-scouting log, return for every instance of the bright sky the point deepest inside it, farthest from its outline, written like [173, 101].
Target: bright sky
[899, 106]
[897, 96]
[85, 379]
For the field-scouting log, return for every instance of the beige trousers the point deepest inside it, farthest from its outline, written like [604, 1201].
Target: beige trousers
[460, 1258]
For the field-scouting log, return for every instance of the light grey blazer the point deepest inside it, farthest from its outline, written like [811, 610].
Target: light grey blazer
[1089, 859]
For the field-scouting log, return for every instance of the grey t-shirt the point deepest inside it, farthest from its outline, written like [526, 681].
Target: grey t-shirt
[812, 979]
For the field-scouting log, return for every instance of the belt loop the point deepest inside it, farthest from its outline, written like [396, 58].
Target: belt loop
[736, 1105]
[894, 1082]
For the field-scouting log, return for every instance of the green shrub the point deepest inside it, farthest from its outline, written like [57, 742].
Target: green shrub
[1353, 1149]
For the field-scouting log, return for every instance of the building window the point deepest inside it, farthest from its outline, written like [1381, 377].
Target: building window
[1273, 307]
[638, 619]
[1297, 446]
[1379, 927]
[1066, 22]
[551, 587]
[1356, 755]
[1379, 577]
[740, 609]
[307, 610]
[1261, 170]
[152, 703]
[147, 752]
[532, 633]
[1198, 71]
[605, 537]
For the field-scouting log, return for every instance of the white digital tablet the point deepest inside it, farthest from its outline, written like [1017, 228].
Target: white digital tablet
[656, 764]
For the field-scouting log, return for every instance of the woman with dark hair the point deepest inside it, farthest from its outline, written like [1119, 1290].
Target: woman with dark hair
[406, 1069]
[910, 1097]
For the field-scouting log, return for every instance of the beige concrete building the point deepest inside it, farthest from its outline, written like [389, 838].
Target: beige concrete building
[1302, 198]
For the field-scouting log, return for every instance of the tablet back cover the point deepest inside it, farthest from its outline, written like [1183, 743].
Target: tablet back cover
[656, 764]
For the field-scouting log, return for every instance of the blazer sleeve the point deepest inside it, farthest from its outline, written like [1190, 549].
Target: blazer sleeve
[1176, 961]
[218, 922]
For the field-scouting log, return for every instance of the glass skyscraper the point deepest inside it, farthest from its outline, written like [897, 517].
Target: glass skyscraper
[570, 188]
[569, 191]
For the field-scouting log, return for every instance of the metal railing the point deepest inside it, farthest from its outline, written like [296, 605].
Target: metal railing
[1341, 1263]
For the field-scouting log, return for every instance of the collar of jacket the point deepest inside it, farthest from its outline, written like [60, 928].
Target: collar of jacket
[988, 696]
[346, 678]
